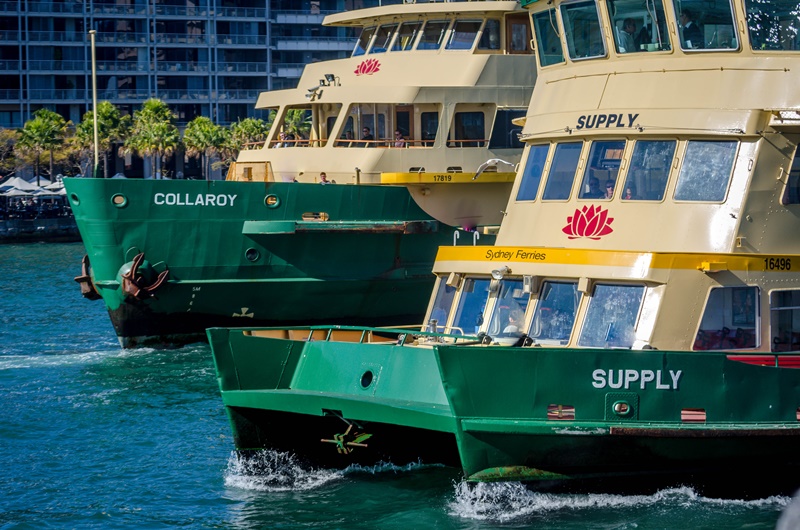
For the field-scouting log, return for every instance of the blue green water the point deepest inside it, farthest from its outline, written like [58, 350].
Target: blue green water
[93, 436]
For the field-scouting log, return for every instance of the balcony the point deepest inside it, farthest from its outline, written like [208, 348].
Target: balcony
[242, 40]
[9, 66]
[57, 7]
[52, 94]
[119, 10]
[120, 37]
[167, 66]
[300, 17]
[7, 6]
[14, 94]
[242, 12]
[316, 44]
[182, 38]
[122, 66]
[57, 66]
[58, 36]
[243, 67]
[181, 11]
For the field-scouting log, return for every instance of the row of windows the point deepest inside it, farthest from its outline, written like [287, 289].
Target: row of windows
[429, 35]
[636, 26]
[731, 319]
[705, 171]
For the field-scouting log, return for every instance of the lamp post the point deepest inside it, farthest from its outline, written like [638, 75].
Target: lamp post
[96, 166]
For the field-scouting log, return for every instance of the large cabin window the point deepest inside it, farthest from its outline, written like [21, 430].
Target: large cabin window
[532, 174]
[706, 170]
[406, 36]
[463, 35]
[383, 38]
[583, 30]
[638, 26]
[471, 304]
[706, 25]
[773, 25]
[600, 177]
[555, 311]
[548, 44]
[433, 34]
[505, 135]
[508, 316]
[490, 37]
[791, 193]
[784, 320]
[649, 170]
[730, 320]
[441, 306]
[611, 316]
[363, 41]
[562, 171]
[429, 125]
[469, 129]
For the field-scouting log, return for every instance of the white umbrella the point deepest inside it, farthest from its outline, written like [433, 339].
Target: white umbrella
[16, 192]
[21, 184]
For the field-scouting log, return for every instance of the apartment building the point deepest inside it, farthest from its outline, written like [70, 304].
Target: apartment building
[202, 57]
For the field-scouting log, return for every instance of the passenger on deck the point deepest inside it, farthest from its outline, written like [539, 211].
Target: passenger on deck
[609, 189]
[368, 138]
[630, 193]
[594, 190]
[399, 141]
[691, 34]
[515, 318]
[627, 42]
[323, 179]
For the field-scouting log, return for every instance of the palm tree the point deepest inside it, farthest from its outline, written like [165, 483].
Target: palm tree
[297, 122]
[111, 127]
[153, 134]
[8, 139]
[204, 138]
[45, 132]
[249, 133]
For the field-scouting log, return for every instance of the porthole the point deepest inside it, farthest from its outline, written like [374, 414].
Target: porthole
[74, 198]
[366, 379]
[119, 200]
[272, 201]
[252, 254]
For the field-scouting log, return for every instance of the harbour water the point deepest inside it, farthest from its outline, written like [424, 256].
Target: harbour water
[93, 436]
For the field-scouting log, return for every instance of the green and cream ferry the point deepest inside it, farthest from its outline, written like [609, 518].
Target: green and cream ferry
[637, 320]
[416, 129]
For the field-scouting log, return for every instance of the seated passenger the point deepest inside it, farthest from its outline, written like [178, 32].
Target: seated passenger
[609, 189]
[594, 191]
[627, 43]
[515, 319]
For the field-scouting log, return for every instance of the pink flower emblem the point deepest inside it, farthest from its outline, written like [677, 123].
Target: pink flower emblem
[368, 67]
[590, 221]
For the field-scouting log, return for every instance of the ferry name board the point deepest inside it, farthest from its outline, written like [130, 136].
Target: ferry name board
[191, 199]
[596, 121]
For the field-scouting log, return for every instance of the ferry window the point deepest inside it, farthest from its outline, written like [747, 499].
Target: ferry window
[441, 305]
[554, 315]
[548, 44]
[638, 27]
[532, 174]
[468, 126]
[649, 169]
[784, 320]
[463, 35]
[508, 317]
[707, 25]
[363, 41]
[347, 136]
[562, 171]
[773, 25]
[429, 124]
[706, 171]
[791, 193]
[600, 177]
[490, 38]
[406, 36]
[505, 135]
[518, 31]
[383, 38]
[583, 30]
[432, 35]
[611, 316]
[729, 320]
[471, 304]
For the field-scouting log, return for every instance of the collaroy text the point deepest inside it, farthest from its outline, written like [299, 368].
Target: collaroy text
[596, 121]
[187, 199]
[636, 378]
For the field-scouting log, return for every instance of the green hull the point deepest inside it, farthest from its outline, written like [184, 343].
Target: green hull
[313, 397]
[563, 420]
[235, 260]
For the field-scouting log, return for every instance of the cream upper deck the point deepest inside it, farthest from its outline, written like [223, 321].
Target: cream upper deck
[691, 104]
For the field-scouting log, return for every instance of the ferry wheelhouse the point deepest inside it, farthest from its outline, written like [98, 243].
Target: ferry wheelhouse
[425, 104]
[637, 322]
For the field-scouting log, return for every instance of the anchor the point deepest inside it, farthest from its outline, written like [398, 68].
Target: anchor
[346, 442]
[85, 280]
[133, 282]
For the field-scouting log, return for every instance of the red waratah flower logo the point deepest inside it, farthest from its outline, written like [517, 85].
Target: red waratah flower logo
[590, 221]
[368, 67]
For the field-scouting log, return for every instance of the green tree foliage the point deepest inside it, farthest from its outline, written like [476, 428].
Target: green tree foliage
[204, 138]
[250, 133]
[44, 133]
[153, 133]
[297, 122]
[112, 127]
[8, 162]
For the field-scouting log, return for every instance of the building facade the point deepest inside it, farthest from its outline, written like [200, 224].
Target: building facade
[202, 57]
